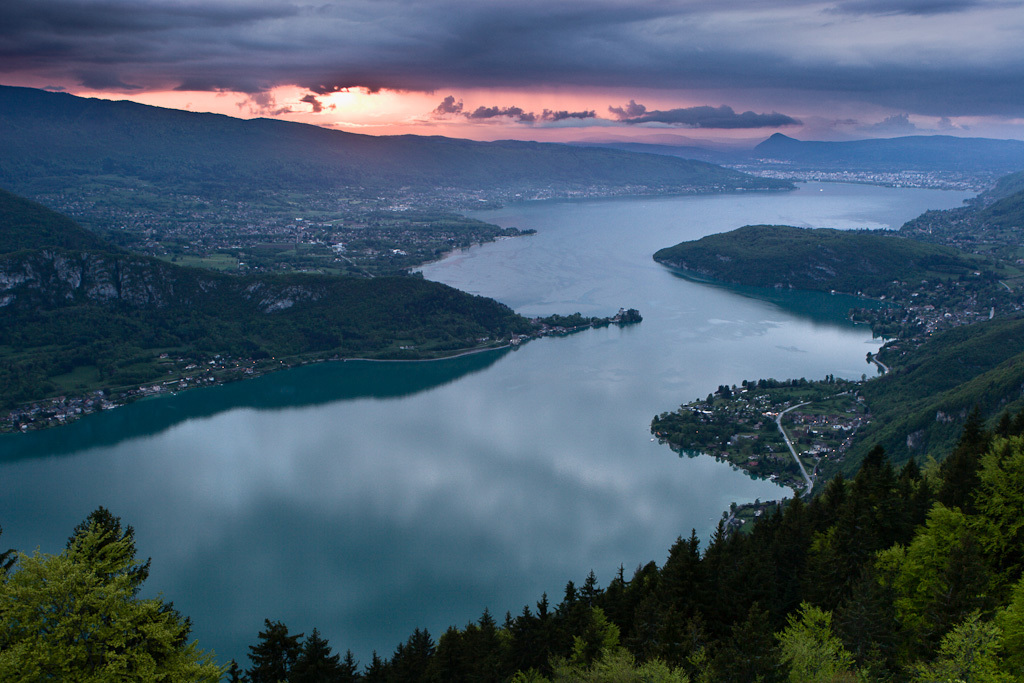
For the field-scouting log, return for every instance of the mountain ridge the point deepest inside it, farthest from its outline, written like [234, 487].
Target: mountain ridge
[912, 152]
[51, 138]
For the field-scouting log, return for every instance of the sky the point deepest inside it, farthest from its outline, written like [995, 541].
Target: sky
[672, 71]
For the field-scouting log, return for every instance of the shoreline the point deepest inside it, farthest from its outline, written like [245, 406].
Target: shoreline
[460, 354]
[61, 410]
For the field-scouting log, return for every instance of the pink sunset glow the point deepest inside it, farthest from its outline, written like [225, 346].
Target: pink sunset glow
[724, 71]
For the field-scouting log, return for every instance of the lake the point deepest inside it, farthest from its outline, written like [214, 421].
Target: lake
[369, 499]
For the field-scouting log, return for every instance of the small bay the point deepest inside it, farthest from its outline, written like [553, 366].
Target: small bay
[368, 499]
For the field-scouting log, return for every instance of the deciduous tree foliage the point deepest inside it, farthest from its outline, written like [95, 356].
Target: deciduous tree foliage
[77, 616]
[812, 651]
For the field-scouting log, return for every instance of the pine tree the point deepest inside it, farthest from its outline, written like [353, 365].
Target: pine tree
[349, 668]
[410, 661]
[749, 654]
[235, 673]
[483, 649]
[376, 670]
[1005, 425]
[315, 663]
[959, 471]
[112, 532]
[866, 623]
[449, 660]
[590, 590]
[274, 655]
[7, 558]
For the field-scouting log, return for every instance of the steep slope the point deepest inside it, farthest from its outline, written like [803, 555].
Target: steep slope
[28, 225]
[1006, 213]
[992, 223]
[919, 409]
[1009, 184]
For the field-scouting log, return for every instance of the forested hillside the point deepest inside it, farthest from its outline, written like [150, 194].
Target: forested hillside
[893, 575]
[816, 259]
[991, 224]
[80, 316]
[920, 406]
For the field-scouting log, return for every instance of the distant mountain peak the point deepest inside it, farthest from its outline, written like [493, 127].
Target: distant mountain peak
[777, 141]
[912, 152]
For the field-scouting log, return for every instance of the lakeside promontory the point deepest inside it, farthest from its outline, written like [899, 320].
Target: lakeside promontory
[822, 259]
[88, 326]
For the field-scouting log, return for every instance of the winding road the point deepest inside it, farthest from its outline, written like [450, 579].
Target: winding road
[785, 437]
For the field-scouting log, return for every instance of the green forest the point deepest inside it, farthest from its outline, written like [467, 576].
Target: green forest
[894, 574]
[82, 316]
[920, 406]
[818, 259]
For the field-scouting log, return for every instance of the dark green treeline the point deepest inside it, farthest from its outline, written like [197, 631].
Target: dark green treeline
[893, 575]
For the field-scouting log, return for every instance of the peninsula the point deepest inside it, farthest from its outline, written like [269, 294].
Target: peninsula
[952, 319]
[780, 430]
[88, 326]
[849, 261]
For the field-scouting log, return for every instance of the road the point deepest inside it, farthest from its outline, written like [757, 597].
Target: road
[785, 437]
[873, 358]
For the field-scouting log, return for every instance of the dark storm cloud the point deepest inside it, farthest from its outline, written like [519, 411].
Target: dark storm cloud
[95, 79]
[921, 7]
[514, 113]
[450, 107]
[563, 115]
[313, 102]
[702, 117]
[630, 111]
[941, 57]
[127, 18]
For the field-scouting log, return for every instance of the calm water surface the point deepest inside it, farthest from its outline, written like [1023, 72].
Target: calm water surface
[368, 499]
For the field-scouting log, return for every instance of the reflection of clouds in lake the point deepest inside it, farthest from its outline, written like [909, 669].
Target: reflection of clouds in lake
[369, 517]
[466, 493]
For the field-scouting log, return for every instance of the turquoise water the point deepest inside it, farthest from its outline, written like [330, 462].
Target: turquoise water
[368, 499]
